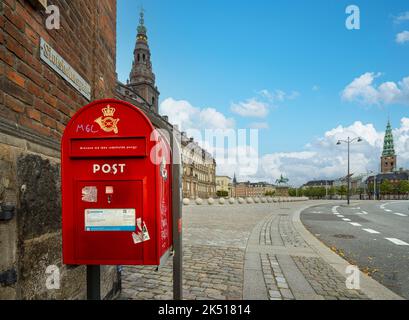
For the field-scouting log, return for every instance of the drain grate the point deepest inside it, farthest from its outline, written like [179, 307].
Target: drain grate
[344, 236]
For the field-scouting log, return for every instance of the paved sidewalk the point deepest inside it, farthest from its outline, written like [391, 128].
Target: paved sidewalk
[285, 266]
[258, 251]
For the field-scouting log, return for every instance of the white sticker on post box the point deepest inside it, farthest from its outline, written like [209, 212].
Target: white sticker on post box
[110, 219]
[90, 194]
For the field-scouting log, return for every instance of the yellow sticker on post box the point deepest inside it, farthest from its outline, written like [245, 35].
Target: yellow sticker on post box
[110, 219]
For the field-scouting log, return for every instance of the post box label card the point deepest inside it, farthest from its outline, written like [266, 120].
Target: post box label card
[90, 194]
[110, 220]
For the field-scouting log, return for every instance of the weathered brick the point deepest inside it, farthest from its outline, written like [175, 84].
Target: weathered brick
[14, 32]
[34, 114]
[34, 125]
[14, 90]
[15, 47]
[47, 109]
[14, 104]
[34, 89]
[6, 56]
[33, 62]
[63, 108]
[49, 122]
[32, 35]
[16, 78]
[51, 100]
[60, 127]
[31, 74]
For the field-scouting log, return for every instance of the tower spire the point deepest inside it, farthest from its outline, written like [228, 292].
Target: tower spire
[388, 144]
[388, 159]
[142, 78]
[141, 28]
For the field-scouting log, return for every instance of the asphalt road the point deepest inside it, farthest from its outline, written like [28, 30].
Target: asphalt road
[374, 235]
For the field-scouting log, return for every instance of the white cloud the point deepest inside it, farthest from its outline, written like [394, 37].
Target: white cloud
[278, 95]
[365, 91]
[188, 117]
[315, 88]
[402, 37]
[251, 108]
[322, 158]
[404, 16]
[260, 105]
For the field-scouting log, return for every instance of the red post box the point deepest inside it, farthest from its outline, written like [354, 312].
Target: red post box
[116, 187]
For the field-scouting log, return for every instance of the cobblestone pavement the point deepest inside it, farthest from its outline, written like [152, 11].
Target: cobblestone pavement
[325, 280]
[276, 283]
[214, 243]
[241, 252]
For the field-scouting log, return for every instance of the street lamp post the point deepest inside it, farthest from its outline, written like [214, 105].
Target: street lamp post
[348, 142]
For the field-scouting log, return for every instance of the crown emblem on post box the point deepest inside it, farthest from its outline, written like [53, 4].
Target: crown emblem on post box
[108, 111]
[107, 122]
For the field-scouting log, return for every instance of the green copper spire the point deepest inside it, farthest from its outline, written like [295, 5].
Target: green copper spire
[388, 146]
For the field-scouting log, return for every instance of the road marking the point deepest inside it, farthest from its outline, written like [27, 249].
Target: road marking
[383, 206]
[355, 224]
[401, 214]
[346, 219]
[364, 212]
[334, 210]
[341, 216]
[397, 242]
[357, 208]
[371, 231]
[387, 210]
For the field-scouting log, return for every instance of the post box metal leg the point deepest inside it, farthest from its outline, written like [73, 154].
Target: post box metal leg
[93, 282]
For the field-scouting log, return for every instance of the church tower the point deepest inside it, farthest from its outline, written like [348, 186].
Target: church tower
[388, 159]
[142, 78]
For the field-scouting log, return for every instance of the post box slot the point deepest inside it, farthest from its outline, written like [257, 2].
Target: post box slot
[114, 147]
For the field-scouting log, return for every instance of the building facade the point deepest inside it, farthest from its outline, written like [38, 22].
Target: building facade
[46, 75]
[199, 171]
[225, 184]
[198, 166]
[318, 184]
[250, 189]
[388, 158]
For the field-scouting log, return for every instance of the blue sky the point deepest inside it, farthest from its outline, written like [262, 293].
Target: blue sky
[222, 54]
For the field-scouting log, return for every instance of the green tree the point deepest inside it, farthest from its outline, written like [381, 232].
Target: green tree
[403, 187]
[222, 193]
[386, 187]
[269, 193]
[342, 190]
[292, 192]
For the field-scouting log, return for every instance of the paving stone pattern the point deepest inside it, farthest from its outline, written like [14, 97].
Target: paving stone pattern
[325, 280]
[276, 283]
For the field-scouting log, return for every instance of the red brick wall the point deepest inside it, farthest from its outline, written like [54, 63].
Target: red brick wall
[32, 94]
